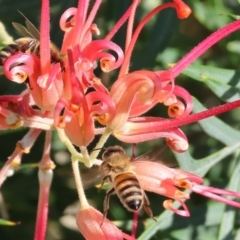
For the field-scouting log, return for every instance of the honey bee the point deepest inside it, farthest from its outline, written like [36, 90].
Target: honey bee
[28, 44]
[117, 170]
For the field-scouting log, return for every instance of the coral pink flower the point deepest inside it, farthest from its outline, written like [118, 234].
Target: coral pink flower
[158, 178]
[89, 223]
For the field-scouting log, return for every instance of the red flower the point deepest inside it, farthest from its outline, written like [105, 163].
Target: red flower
[158, 178]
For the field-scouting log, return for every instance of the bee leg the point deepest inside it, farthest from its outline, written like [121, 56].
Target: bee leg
[106, 203]
[146, 206]
[105, 179]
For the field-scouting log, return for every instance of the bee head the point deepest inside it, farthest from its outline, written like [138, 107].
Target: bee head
[110, 151]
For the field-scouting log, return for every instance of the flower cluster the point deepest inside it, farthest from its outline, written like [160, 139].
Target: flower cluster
[64, 94]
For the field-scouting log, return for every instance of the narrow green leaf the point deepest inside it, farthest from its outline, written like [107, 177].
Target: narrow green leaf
[231, 16]
[201, 166]
[223, 82]
[167, 220]
[228, 217]
[216, 128]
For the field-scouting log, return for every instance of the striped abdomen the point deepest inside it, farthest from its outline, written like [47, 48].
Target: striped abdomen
[8, 51]
[129, 191]
[21, 45]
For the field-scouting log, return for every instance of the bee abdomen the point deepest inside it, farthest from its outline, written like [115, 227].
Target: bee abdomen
[129, 191]
[7, 51]
[134, 200]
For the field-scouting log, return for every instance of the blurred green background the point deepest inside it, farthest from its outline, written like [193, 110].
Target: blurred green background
[165, 39]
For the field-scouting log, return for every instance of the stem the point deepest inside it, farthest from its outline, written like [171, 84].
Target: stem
[45, 175]
[101, 143]
[23, 146]
[129, 51]
[85, 154]
[131, 23]
[44, 37]
[45, 179]
[47, 144]
[7, 165]
[91, 17]
[120, 22]
[135, 223]
[204, 46]
[75, 154]
[168, 124]
[81, 194]
[81, 14]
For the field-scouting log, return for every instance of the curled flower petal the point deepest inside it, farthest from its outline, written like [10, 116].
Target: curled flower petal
[93, 51]
[169, 206]
[176, 109]
[132, 90]
[61, 114]
[101, 106]
[20, 66]
[67, 19]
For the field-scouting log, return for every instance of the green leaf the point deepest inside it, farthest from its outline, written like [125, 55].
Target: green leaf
[223, 82]
[171, 222]
[209, 13]
[201, 166]
[228, 218]
[8, 223]
[216, 128]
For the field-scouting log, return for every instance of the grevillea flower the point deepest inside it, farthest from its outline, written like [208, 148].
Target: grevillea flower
[70, 90]
[67, 96]
[158, 178]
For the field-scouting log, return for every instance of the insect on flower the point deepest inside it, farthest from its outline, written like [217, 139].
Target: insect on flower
[117, 170]
[28, 44]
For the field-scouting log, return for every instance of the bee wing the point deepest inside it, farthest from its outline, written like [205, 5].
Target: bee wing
[22, 30]
[91, 177]
[29, 31]
[158, 155]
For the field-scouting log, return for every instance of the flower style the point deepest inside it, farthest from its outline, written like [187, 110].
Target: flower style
[66, 95]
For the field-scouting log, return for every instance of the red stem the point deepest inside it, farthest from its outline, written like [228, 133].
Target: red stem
[135, 35]
[42, 213]
[168, 124]
[204, 46]
[135, 223]
[45, 37]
